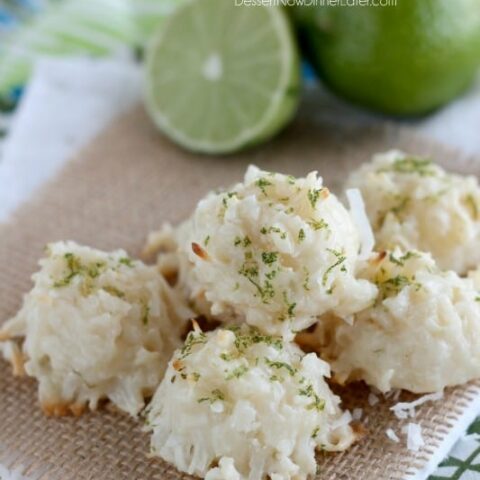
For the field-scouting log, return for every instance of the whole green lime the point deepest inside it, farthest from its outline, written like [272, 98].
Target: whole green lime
[405, 58]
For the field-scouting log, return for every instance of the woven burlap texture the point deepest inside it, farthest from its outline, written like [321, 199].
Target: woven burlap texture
[128, 182]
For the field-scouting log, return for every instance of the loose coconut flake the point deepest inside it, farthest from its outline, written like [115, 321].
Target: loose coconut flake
[404, 410]
[392, 435]
[360, 218]
[414, 436]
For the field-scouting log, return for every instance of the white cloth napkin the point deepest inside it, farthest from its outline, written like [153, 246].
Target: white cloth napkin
[457, 124]
[67, 103]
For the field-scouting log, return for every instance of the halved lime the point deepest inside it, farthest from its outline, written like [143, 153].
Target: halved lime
[222, 76]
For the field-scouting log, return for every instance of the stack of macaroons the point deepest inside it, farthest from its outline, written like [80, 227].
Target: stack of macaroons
[422, 332]
[265, 258]
[395, 320]
[274, 263]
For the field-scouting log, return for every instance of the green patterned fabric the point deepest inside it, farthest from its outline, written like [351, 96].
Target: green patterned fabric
[68, 27]
[463, 463]
[148, 15]
[30, 28]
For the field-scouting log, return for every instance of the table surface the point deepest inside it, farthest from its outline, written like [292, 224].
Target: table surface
[43, 134]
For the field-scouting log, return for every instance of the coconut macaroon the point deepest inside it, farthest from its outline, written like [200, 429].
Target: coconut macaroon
[250, 403]
[96, 326]
[275, 251]
[421, 335]
[414, 204]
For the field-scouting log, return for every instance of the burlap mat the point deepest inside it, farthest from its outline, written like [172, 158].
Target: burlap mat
[126, 183]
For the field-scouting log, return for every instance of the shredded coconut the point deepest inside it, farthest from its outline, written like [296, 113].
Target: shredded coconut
[392, 435]
[357, 414]
[359, 216]
[407, 409]
[225, 471]
[372, 399]
[414, 436]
